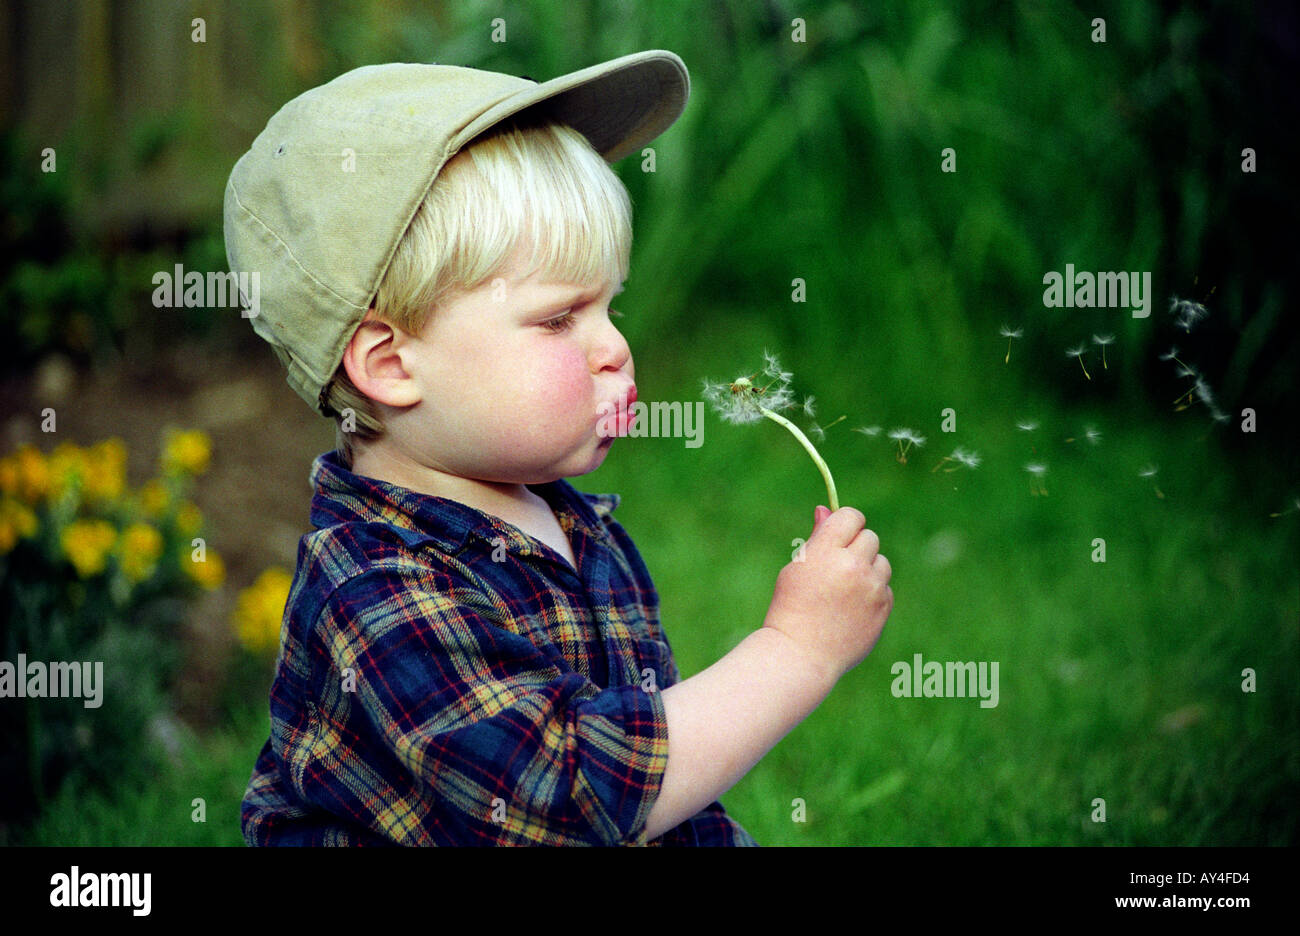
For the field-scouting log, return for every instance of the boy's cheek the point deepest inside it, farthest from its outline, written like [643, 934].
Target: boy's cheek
[564, 379]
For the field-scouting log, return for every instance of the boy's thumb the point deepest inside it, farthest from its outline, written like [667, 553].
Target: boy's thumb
[820, 514]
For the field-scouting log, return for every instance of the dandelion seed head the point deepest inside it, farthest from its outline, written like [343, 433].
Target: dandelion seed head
[1075, 352]
[1006, 332]
[1203, 392]
[1185, 371]
[1148, 471]
[809, 407]
[868, 430]
[817, 432]
[1170, 354]
[1103, 340]
[1027, 425]
[1091, 434]
[1037, 469]
[739, 402]
[969, 459]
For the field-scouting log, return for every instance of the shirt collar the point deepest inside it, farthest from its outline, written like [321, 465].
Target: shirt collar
[342, 497]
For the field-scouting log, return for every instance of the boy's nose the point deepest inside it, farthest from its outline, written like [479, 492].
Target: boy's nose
[612, 350]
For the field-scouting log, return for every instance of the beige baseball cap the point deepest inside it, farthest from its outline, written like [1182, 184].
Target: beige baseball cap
[316, 208]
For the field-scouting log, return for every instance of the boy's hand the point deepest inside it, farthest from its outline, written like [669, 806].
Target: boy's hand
[833, 603]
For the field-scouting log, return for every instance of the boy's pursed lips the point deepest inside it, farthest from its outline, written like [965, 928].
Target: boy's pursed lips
[620, 408]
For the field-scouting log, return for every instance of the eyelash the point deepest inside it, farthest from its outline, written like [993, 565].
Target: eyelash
[564, 322]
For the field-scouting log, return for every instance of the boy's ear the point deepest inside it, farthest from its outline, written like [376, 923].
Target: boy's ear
[374, 365]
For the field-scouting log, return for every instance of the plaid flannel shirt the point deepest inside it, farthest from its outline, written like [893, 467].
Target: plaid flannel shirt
[445, 679]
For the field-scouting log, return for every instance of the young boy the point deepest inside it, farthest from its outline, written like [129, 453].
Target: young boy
[471, 651]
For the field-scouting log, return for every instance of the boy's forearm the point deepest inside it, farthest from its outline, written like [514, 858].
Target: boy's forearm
[722, 721]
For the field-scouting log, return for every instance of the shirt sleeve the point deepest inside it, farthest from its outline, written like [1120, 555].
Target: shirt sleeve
[472, 734]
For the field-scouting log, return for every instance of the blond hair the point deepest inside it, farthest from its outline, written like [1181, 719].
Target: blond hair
[527, 181]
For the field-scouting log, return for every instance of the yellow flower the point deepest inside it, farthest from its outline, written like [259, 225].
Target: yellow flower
[260, 608]
[188, 518]
[16, 522]
[138, 551]
[67, 468]
[9, 474]
[86, 544]
[208, 574]
[154, 498]
[187, 452]
[31, 473]
[105, 477]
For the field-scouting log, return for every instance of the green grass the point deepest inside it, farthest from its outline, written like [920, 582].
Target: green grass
[156, 806]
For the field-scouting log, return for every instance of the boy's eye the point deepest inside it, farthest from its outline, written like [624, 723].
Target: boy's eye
[564, 322]
[561, 324]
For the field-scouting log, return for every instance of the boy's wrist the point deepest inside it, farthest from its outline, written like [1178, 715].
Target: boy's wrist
[816, 670]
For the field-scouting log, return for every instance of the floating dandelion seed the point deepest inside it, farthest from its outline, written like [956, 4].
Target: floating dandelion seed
[1079, 353]
[1028, 425]
[809, 409]
[1171, 354]
[1103, 340]
[1294, 508]
[1010, 334]
[869, 431]
[1186, 312]
[819, 432]
[1201, 390]
[1036, 471]
[961, 457]
[906, 438]
[1185, 371]
[1150, 471]
[772, 368]
[1090, 433]
[741, 402]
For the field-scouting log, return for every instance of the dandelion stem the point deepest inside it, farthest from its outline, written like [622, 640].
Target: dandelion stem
[1085, 369]
[1007, 360]
[812, 451]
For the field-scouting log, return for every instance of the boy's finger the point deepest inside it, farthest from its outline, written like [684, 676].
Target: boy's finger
[839, 528]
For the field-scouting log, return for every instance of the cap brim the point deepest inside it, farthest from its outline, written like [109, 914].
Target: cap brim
[619, 105]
